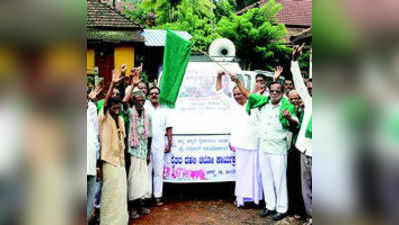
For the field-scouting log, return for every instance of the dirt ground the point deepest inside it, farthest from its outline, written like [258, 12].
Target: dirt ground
[204, 204]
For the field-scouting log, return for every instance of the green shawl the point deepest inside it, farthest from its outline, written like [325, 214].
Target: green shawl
[309, 129]
[256, 101]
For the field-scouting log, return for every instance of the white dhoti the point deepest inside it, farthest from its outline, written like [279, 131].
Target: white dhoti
[248, 180]
[138, 179]
[113, 199]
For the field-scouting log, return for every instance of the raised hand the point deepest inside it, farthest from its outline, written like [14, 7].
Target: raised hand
[136, 75]
[219, 80]
[116, 76]
[234, 78]
[123, 68]
[92, 94]
[220, 74]
[95, 92]
[277, 73]
[98, 89]
[286, 114]
[297, 52]
[141, 67]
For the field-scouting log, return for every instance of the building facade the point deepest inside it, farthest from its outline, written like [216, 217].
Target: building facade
[112, 39]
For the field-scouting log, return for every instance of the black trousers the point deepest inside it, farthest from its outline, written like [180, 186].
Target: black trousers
[294, 182]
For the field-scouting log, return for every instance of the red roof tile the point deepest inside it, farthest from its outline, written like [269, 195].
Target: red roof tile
[102, 15]
[293, 12]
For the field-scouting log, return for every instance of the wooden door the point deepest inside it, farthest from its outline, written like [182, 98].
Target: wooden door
[104, 60]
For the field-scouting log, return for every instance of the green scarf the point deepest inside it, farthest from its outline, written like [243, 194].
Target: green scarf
[308, 133]
[257, 101]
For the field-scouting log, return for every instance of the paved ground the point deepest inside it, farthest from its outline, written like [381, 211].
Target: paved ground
[204, 204]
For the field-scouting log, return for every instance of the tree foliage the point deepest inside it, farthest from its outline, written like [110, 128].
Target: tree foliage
[258, 39]
[165, 10]
[139, 14]
[224, 8]
[257, 36]
[198, 19]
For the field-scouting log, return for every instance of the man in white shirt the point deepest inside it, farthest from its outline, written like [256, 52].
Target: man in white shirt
[304, 143]
[243, 141]
[161, 142]
[93, 150]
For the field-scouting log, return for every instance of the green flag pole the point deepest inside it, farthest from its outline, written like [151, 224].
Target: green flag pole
[217, 63]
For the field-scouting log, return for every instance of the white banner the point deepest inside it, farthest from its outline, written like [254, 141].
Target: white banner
[198, 108]
[200, 151]
[200, 158]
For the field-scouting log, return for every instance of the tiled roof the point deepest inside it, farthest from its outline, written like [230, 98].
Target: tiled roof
[156, 38]
[301, 36]
[119, 5]
[293, 12]
[114, 36]
[100, 15]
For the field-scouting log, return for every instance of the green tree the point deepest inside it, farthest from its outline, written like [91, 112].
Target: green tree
[198, 19]
[224, 8]
[257, 36]
[139, 14]
[165, 10]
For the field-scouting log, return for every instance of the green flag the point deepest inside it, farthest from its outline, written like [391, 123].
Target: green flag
[176, 56]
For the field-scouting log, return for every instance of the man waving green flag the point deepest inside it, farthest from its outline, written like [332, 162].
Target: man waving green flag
[176, 56]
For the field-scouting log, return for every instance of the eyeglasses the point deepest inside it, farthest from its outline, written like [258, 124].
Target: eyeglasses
[275, 91]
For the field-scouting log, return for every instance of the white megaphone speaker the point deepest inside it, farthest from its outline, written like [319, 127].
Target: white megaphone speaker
[222, 49]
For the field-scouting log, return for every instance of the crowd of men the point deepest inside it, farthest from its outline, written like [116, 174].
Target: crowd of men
[133, 133]
[271, 137]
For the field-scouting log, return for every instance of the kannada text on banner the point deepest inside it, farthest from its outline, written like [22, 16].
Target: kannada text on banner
[205, 158]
